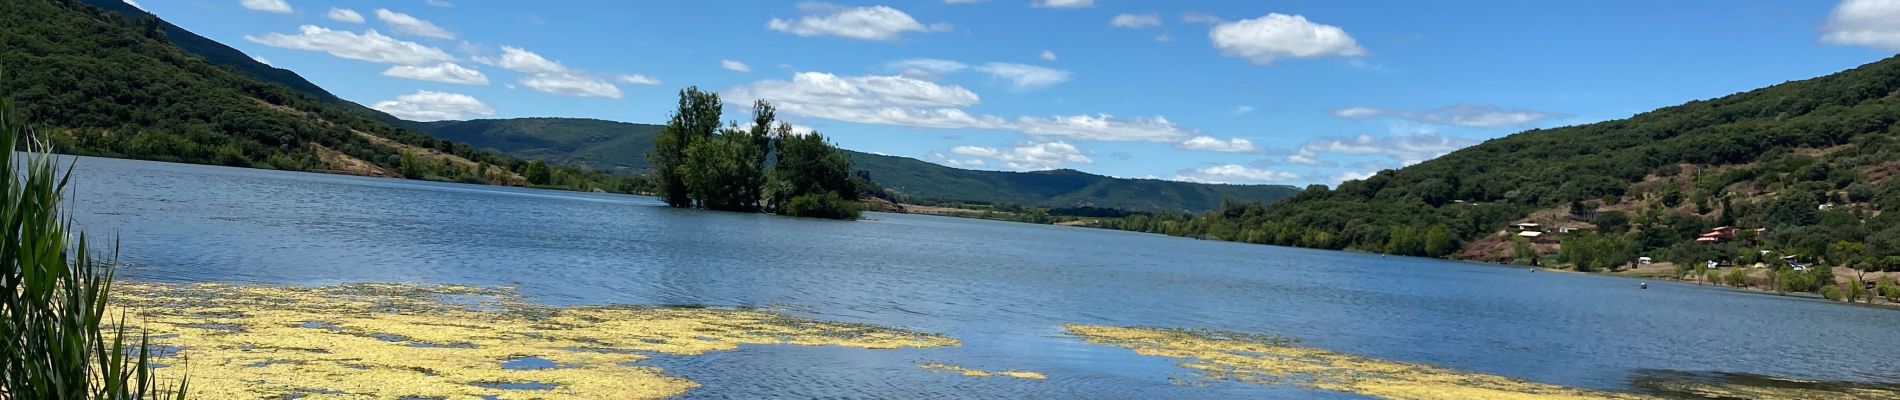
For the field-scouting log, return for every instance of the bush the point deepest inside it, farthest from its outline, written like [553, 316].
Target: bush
[827, 205]
[1737, 277]
[1831, 292]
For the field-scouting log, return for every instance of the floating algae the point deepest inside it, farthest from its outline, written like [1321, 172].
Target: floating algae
[1276, 360]
[1018, 374]
[1271, 360]
[451, 342]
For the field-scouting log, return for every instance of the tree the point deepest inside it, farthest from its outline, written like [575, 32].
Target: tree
[537, 172]
[719, 172]
[697, 118]
[1613, 222]
[1792, 210]
[811, 178]
[1439, 241]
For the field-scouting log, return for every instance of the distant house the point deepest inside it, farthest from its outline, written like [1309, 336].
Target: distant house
[1529, 227]
[1828, 206]
[1645, 260]
[1717, 235]
[1531, 234]
[1567, 229]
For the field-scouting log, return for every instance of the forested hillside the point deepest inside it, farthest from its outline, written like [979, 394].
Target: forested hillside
[100, 83]
[620, 146]
[1808, 161]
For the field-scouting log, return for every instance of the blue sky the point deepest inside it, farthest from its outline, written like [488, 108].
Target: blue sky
[1286, 92]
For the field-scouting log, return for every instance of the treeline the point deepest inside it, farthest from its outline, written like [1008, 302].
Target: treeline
[697, 163]
[116, 87]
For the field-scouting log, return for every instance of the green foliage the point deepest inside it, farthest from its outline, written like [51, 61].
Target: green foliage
[53, 293]
[721, 174]
[1736, 277]
[537, 172]
[1888, 289]
[1792, 210]
[1833, 292]
[1613, 222]
[827, 205]
[1591, 252]
[810, 168]
[697, 118]
[123, 84]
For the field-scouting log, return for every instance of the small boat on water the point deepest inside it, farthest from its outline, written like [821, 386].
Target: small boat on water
[1644, 285]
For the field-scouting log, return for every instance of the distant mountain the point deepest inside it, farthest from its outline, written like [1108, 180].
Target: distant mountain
[220, 54]
[110, 80]
[1812, 161]
[620, 146]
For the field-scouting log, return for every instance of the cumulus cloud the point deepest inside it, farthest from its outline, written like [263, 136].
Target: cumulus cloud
[410, 25]
[890, 100]
[863, 23]
[369, 46]
[259, 59]
[1342, 177]
[426, 105]
[1406, 148]
[345, 15]
[1868, 23]
[445, 72]
[1030, 156]
[1047, 55]
[1133, 21]
[1242, 109]
[571, 84]
[521, 60]
[1210, 143]
[1104, 127]
[270, 6]
[736, 66]
[638, 79]
[1025, 77]
[1064, 3]
[1235, 173]
[1279, 36]
[439, 3]
[1478, 116]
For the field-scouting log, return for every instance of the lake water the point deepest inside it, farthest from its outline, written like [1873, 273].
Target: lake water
[1004, 289]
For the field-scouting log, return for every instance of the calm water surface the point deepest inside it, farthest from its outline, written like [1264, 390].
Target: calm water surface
[1005, 289]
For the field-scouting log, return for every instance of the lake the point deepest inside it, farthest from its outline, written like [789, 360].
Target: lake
[1004, 289]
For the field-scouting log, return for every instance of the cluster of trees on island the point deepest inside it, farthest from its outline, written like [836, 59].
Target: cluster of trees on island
[765, 166]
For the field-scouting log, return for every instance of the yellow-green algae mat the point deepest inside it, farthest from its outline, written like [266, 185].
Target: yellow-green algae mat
[1272, 360]
[380, 341]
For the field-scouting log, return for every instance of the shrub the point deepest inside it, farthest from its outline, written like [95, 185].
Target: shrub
[1737, 277]
[827, 205]
[1832, 292]
[1888, 289]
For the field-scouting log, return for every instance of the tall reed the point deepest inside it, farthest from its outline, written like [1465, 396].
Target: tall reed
[56, 339]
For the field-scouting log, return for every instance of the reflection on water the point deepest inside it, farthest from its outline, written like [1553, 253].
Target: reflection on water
[1005, 290]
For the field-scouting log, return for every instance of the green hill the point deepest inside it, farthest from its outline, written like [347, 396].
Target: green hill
[118, 82]
[1768, 158]
[620, 146]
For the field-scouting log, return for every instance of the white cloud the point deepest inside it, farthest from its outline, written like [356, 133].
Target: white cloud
[571, 84]
[1064, 3]
[1025, 77]
[1462, 115]
[1047, 55]
[863, 23]
[345, 15]
[1104, 127]
[426, 105]
[270, 6]
[638, 79]
[1210, 143]
[445, 72]
[261, 60]
[134, 4]
[1030, 156]
[1164, 38]
[1242, 109]
[731, 65]
[1135, 20]
[963, 1]
[1279, 36]
[410, 25]
[439, 3]
[1308, 159]
[521, 60]
[926, 68]
[1342, 177]
[1868, 23]
[369, 46]
[1235, 173]
[1406, 148]
[890, 100]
